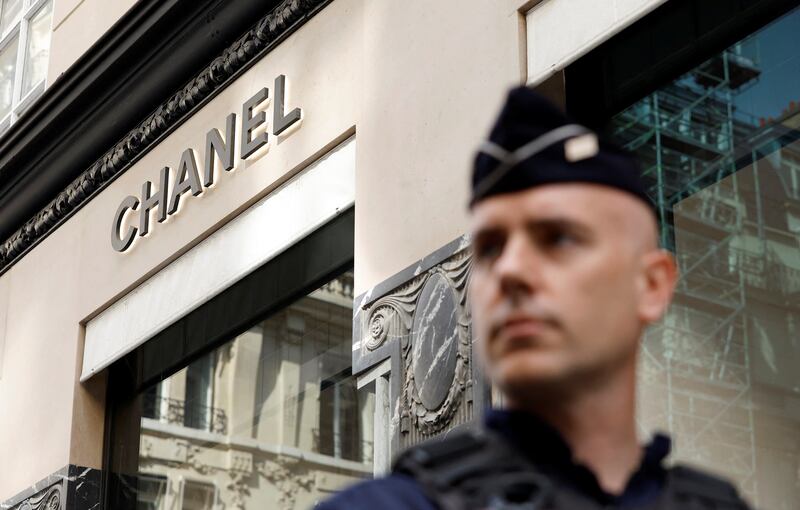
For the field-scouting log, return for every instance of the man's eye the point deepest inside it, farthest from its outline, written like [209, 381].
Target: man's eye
[559, 239]
[487, 251]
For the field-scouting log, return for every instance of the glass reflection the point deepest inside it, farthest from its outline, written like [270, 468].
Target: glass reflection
[720, 372]
[9, 13]
[273, 419]
[8, 59]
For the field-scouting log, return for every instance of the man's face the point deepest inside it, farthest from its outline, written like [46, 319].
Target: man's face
[561, 285]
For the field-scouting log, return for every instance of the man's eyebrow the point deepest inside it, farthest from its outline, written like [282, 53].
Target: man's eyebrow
[536, 224]
[558, 222]
[488, 231]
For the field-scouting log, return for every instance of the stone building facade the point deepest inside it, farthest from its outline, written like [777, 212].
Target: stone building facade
[234, 249]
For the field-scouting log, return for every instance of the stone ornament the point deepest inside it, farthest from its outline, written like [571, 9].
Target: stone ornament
[391, 315]
[48, 499]
[429, 316]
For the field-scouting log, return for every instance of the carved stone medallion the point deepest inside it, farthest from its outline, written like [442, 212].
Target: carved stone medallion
[435, 333]
[421, 316]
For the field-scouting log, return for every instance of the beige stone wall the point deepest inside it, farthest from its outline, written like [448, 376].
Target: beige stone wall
[435, 74]
[74, 273]
[77, 24]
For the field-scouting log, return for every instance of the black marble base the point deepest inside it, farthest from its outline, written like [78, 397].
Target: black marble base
[70, 488]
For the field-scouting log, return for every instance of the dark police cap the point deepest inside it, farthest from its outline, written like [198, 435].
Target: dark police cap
[533, 143]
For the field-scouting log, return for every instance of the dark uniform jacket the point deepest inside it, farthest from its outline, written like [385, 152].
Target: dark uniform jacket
[540, 444]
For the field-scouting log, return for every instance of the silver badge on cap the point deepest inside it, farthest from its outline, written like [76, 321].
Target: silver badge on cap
[581, 147]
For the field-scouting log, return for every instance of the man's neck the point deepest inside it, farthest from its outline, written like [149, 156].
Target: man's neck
[600, 428]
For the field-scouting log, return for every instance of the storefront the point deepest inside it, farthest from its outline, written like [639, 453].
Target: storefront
[235, 259]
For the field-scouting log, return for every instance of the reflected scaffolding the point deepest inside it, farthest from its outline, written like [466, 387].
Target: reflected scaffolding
[720, 372]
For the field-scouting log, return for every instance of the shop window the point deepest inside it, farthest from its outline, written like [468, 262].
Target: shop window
[721, 147]
[24, 52]
[295, 425]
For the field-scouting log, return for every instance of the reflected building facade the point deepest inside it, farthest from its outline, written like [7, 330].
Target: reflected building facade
[272, 419]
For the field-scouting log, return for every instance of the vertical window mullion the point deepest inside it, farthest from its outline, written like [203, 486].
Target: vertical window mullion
[209, 415]
[337, 416]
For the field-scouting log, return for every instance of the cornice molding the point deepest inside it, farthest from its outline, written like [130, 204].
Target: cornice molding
[234, 60]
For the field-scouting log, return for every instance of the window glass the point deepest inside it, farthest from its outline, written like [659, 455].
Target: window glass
[198, 496]
[9, 12]
[151, 492]
[722, 370]
[8, 60]
[199, 377]
[38, 50]
[272, 419]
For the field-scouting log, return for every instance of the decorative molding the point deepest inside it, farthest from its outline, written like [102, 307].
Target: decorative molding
[70, 488]
[420, 319]
[267, 33]
[391, 316]
[239, 489]
[289, 476]
[449, 280]
[48, 499]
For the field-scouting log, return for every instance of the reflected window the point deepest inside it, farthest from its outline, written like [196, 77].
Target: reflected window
[339, 434]
[186, 398]
[198, 413]
[273, 418]
[721, 146]
[152, 489]
[198, 495]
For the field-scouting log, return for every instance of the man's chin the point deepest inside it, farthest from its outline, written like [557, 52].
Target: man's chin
[523, 375]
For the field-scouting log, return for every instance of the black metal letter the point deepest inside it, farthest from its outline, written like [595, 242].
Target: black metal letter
[250, 122]
[159, 199]
[223, 149]
[281, 122]
[186, 178]
[123, 243]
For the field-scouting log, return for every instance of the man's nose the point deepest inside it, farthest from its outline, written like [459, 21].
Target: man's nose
[518, 268]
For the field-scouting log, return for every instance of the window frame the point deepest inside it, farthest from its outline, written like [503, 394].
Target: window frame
[184, 480]
[20, 29]
[164, 484]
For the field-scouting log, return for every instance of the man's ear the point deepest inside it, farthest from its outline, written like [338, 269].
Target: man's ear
[659, 275]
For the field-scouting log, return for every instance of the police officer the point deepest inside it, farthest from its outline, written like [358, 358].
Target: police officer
[566, 275]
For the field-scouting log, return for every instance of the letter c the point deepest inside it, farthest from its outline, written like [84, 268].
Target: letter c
[123, 243]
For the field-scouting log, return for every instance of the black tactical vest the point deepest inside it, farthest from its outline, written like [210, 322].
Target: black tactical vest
[480, 470]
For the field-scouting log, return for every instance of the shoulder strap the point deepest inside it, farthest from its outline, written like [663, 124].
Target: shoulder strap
[477, 469]
[685, 484]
